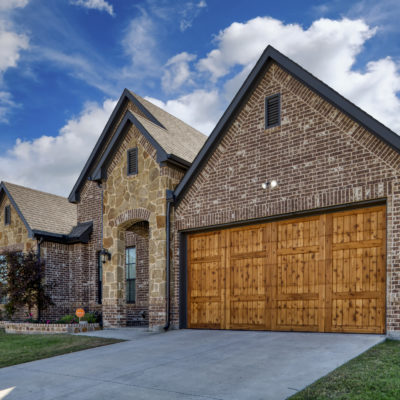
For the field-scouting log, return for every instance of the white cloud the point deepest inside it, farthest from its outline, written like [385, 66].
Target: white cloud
[177, 72]
[11, 45]
[6, 105]
[140, 45]
[200, 109]
[53, 163]
[328, 49]
[10, 4]
[189, 12]
[100, 5]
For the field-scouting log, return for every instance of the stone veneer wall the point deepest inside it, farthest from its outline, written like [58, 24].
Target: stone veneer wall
[131, 199]
[14, 236]
[318, 155]
[15, 327]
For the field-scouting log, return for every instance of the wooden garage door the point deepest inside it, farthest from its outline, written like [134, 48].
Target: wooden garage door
[322, 273]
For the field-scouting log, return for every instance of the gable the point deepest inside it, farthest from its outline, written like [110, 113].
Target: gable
[176, 142]
[318, 155]
[14, 235]
[326, 97]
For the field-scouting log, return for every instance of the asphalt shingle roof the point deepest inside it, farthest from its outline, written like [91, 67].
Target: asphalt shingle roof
[178, 138]
[44, 211]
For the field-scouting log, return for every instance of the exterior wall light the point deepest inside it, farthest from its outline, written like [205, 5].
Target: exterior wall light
[270, 184]
[106, 255]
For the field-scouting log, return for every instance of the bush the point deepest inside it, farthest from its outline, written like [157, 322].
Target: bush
[90, 317]
[68, 319]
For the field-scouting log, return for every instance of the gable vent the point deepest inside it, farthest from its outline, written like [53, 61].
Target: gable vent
[7, 215]
[272, 111]
[133, 161]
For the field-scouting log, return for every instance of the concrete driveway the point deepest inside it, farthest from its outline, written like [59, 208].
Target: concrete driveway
[187, 364]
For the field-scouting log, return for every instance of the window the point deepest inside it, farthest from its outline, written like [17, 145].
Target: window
[272, 111]
[3, 297]
[7, 215]
[133, 161]
[99, 277]
[130, 265]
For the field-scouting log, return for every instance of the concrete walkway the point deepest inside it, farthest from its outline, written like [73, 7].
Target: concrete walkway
[187, 364]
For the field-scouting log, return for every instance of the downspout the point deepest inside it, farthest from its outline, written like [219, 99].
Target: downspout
[170, 201]
[39, 243]
[100, 281]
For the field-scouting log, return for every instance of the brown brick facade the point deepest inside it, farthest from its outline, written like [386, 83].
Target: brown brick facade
[319, 157]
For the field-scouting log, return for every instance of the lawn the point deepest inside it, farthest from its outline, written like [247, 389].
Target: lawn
[374, 374]
[20, 348]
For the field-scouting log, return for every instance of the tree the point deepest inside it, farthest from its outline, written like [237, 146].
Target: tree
[21, 280]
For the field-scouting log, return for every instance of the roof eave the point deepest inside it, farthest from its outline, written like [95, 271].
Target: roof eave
[64, 238]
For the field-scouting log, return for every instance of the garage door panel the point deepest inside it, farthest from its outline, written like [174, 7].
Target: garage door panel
[205, 280]
[298, 315]
[247, 313]
[322, 273]
[247, 240]
[248, 277]
[205, 314]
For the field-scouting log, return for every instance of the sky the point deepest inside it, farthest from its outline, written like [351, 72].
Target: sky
[65, 63]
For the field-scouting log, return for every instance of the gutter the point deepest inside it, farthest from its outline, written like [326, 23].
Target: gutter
[170, 201]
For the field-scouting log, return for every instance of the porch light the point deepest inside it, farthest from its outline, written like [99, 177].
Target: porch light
[106, 255]
[270, 184]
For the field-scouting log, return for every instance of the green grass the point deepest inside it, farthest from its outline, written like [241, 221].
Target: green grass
[21, 348]
[374, 374]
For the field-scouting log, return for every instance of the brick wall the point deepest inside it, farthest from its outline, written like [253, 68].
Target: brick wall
[138, 236]
[319, 157]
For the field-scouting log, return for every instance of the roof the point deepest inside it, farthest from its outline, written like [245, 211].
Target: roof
[174, 140]
[46, 215]
[43, 211]
[177, 138]
[319, 87]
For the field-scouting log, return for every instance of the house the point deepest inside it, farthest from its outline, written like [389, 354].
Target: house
[38, 221]
[285, 218]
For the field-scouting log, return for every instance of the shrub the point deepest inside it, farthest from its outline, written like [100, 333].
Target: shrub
[90, 317]
[68, 319]
[22, 282]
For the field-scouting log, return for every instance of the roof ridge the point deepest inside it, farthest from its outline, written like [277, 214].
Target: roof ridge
[137, 115]
[140, 98]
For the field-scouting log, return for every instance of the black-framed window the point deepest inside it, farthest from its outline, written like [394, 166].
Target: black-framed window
[3, 297]
[273, 111]
[130, 267]
[99, 277]
[7, 215]
[133, 161]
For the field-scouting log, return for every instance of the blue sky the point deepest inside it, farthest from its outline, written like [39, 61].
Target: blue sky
[64, 63]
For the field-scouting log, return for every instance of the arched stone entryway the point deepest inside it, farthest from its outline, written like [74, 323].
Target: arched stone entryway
[134, 226]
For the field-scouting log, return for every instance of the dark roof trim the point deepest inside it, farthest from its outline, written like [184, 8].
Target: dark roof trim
[126, 96]
[178, 161]
[330, 95]
[3, 189]
[79, 234]
[129, 119]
